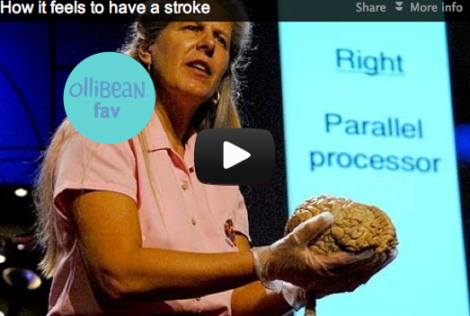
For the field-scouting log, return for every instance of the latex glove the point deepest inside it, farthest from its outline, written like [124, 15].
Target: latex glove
[295, 296]
[289, 259]
[349, 278]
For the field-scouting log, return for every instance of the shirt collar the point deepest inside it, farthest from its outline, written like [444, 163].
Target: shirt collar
[189, 149]
[158, 140]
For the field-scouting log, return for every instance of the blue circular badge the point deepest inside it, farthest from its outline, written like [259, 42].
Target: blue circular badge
[109, 97]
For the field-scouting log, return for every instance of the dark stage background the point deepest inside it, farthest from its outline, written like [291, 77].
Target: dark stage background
[35, 61]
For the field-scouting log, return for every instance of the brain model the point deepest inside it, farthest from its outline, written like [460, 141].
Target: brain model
[356, 227]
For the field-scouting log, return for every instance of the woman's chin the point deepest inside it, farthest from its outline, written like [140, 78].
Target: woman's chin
[191, 98]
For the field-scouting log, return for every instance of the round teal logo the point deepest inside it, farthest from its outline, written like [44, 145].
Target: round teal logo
[109, 98]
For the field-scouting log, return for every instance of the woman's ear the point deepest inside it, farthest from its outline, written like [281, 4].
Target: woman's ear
[144, 54]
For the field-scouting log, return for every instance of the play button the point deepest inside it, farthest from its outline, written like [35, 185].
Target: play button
[233, 155]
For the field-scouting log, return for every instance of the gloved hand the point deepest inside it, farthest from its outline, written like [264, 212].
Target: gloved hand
[295, 296]
[358, 275]
[349, 278]
[289, 259]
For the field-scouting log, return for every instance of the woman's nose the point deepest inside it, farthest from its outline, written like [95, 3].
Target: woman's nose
[207, 43]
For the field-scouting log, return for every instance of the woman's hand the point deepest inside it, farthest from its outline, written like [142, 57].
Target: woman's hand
[349, 278]
[289, 259]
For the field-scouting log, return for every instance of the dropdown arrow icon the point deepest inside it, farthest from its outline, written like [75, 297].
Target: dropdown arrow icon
[399, 4]
[399, 8]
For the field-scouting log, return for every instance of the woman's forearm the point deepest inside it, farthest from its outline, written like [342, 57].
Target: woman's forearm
[254, 300]
[155, 275]
[120, 268]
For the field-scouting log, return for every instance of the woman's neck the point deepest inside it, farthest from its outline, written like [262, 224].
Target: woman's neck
[175, 121]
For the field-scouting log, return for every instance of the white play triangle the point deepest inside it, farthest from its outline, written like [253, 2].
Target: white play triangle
[234, 155]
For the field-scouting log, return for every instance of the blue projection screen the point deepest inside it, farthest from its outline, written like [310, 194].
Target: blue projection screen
[368, 116]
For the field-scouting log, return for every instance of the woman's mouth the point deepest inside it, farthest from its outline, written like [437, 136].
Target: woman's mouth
[201, 67]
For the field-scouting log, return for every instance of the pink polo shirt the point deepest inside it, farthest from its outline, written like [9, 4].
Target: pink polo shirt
[194, 215]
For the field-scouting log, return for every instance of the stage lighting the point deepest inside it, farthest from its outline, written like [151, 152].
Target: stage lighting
[462, 140]
[20, 192]
[2, 260]
[22, 279]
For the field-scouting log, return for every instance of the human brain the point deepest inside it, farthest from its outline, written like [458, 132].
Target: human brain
[356, 227]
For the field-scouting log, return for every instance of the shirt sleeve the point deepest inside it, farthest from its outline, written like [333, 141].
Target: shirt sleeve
[240, 216]
[85, 164]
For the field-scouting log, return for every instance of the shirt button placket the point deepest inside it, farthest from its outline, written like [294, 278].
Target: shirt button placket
[185, 187]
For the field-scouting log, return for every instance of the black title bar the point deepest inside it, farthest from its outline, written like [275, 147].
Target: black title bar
[209, 10]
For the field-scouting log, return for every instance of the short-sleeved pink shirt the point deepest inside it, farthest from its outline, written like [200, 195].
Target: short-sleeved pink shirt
[195, 216]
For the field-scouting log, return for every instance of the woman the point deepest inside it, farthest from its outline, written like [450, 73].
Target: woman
[129, 230]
